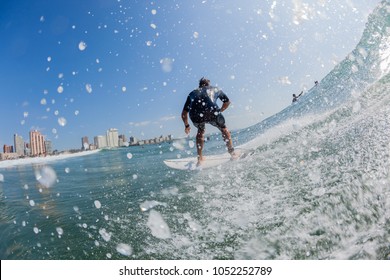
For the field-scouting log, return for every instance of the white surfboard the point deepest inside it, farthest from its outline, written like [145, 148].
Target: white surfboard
[190, 163]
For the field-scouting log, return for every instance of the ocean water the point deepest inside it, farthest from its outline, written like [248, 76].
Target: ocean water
[316, 187]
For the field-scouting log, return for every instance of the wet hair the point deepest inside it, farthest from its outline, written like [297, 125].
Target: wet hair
[204, 82]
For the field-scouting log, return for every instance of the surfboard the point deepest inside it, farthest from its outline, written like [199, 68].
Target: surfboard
[210, 161]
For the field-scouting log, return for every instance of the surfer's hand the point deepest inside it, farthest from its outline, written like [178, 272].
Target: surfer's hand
[187, 129]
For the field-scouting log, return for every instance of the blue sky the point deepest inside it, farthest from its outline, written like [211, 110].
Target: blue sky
[77, 68]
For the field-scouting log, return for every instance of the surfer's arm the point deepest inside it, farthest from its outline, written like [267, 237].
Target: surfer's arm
[225, 105]
[184, 117]
[184, 114]
[225, 100]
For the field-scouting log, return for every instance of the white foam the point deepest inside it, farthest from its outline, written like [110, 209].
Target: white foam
[384, 53]
[158, 226]
[42, 160]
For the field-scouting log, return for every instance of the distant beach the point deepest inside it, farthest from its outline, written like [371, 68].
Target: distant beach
[33, 160]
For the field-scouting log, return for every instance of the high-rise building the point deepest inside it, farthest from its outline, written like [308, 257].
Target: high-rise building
[37, 143]
[8, 149]
[133, 140]
[19, 145]
[48, 147]
[122, 140]
[100, 142]
[27, 150]
[84, 143]
[112, 138]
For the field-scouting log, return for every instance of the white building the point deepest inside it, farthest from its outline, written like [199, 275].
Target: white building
[112, 138]
[19, 145]
[100, 141]
[49, 147]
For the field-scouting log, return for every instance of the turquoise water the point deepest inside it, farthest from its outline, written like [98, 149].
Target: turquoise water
[317, 186]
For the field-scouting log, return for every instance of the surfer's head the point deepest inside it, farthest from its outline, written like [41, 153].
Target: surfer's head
[204, 82]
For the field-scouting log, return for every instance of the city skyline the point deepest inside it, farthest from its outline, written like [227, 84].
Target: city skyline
[69, 67]
[38, 145]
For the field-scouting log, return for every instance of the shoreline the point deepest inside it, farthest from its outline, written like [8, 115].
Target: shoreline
[26, 161]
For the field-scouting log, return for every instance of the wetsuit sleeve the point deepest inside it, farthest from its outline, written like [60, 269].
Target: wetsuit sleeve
[223, 97]
[187, 105]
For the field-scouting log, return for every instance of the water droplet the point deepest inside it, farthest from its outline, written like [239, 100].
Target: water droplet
[124, 249]
[62, 121]
[129, 155]
[104, 234]
[82, 46]
[60, 231]
[88, 87]
[97, 204]
[46, 176]
[167, 64]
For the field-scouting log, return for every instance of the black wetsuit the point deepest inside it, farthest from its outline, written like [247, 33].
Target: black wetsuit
[202, 106]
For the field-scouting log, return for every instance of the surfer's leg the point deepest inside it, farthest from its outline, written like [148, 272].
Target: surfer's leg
[219, 122]
[199, 144]
[228, 140]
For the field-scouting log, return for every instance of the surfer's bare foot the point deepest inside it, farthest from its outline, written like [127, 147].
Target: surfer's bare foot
[200, 161]
[234, 155]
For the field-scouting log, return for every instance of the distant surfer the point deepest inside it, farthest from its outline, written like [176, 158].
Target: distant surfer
[295, 97]
[201, 104]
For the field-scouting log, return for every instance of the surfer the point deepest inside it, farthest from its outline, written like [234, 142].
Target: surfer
[201, 105]
[295, 97]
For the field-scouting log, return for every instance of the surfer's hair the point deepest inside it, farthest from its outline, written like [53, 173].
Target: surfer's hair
[204, 82]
